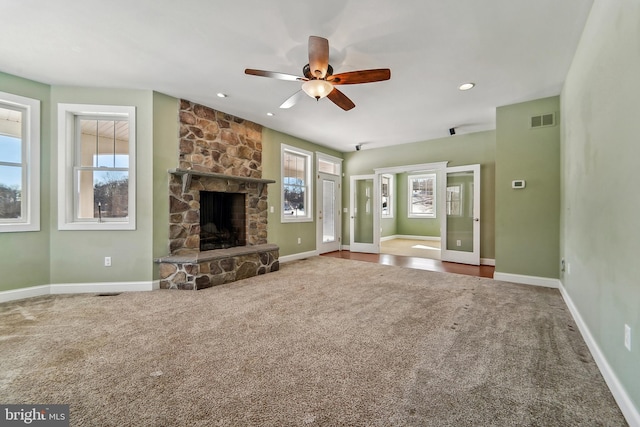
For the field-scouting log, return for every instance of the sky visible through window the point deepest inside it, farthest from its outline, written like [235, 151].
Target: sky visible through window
[11, 152]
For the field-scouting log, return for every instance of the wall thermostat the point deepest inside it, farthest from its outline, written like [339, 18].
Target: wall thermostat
[518, 183]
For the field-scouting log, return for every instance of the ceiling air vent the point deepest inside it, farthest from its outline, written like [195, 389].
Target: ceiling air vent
[543, 120]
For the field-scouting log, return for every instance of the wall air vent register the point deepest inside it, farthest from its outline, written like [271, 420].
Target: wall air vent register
[543, 120]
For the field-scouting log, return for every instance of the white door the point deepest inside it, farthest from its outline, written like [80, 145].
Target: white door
[362, 215]
[328, 205]
[460, 236]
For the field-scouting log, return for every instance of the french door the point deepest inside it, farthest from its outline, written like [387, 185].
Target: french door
[460, 226]
[364, 202]
[328, 204]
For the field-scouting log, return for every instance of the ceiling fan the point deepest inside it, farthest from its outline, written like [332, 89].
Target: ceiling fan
[319, 80]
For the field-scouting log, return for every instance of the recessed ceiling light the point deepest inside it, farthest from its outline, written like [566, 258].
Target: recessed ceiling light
[221, 95]
[466, 86]
[270, 114]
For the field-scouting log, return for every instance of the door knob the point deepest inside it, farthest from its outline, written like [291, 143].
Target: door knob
[476, 219]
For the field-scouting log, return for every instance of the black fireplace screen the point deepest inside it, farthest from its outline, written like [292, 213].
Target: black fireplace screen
[222, 220]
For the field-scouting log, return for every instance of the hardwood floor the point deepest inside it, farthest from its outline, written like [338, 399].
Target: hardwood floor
[417, 263]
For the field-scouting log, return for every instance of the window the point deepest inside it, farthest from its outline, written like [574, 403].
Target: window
[19, 163]
[328, 164]
[386, 195]
[97, 167]
[454, 200]
[422, 196]
[296, 184]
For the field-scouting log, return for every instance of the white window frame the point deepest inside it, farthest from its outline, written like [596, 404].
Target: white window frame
[390, 195]
[410, 178]
[308, 187]
[336, 161]
[67, 149]
[30, 190]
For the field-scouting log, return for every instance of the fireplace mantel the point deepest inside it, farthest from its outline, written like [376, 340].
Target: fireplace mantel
[186, 175]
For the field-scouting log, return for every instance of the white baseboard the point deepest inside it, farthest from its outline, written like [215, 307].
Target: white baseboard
[547, 282]
[77, 288]
[294, 257]
[623, 400]
[81, 288]
[487, 261]
[16, 294]
[410, 237]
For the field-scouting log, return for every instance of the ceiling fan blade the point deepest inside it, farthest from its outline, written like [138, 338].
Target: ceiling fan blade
[293, 99]
[362, 76]
[274, 75]
[318, 56]
[341, 100]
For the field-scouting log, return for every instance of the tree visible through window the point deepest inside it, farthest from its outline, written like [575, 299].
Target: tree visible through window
[11, 182]
[102, 167]
[97, 156]
[19, 163]
[296, 184]
[422, 195]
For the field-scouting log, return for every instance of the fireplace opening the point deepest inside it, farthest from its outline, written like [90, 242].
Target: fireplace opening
[222, 220]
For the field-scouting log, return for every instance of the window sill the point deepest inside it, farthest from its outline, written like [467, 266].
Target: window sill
[96, 226]
[18, 227]
[294, 220]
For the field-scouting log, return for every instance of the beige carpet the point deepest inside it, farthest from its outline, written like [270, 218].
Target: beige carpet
[409, 247]
[323, 342]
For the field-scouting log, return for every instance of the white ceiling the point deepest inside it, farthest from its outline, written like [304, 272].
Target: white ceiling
[514, 50]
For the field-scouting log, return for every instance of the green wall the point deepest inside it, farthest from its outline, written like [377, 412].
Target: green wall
[600, 237]
[462, 149]
[286, 235]
[528, 219]
[24, 256]
[165, 156]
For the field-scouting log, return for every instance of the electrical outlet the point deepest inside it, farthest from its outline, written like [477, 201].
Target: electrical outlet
[627, 337]
[459, 242]
[107, 261]
[299, 240]
[568, 268]
[271, 209]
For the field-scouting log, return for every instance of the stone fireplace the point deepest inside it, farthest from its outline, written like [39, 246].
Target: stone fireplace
[218, 203]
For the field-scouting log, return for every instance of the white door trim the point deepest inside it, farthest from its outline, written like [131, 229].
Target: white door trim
[322, 247]
[358, 246]
[450, 254]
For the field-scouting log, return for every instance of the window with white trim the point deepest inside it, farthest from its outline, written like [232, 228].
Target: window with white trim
[422, 196]
[328, 164]
[296, 184]
[19, 163]
[96, 167]
[386, 195]
[454, 200]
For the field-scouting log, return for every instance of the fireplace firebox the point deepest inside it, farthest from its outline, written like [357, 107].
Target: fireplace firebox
[222, 220]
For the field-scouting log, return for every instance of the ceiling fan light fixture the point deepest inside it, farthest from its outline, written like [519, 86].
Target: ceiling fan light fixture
[317, 88]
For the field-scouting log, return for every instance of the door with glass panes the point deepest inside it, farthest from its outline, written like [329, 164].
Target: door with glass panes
[328, 211]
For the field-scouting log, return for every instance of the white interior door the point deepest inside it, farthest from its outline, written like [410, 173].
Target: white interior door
[329, 217]
[362, 214]
[460, 234]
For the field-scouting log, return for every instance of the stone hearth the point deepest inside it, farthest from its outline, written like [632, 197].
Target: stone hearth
[206, 269]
